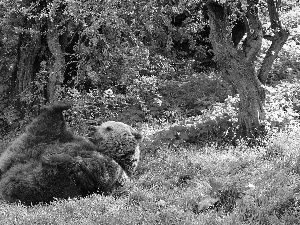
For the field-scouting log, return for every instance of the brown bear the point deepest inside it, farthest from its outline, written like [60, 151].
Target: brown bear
[118, 141]
[48, 161]
[110, 165]
[47, 128]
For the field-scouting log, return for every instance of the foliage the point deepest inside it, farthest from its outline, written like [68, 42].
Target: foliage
[287, 64]
[218, 124]
[96, 107]
[282, 104]
[148, 99]
[143, 47]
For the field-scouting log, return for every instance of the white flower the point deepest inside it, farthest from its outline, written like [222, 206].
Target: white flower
[157, 101]
[109, 93]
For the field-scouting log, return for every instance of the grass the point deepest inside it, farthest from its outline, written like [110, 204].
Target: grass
[173, 180]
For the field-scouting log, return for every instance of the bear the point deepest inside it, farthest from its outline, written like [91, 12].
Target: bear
[117, 147]
[120, 142]
[48, 127]
[61, 177]
[41, 166]
[116, 140]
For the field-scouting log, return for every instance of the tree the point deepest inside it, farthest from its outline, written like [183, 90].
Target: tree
[236, 62]
[58, 42]
[47, 45]
[37, 64]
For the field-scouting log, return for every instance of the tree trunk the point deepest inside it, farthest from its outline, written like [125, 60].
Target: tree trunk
[4, 75]
[55, 78]
[25, 68]
[252, 96]
[38, 44]
[237, 65]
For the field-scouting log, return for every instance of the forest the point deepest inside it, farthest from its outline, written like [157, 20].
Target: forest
[213, 86]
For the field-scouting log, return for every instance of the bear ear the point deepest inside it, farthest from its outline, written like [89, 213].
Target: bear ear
[56, 107]
[138, 136]
[109, 128]
[91, 130]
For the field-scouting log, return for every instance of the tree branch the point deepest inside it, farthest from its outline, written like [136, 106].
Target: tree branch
[278, 40]
[253, 41]
[273, 14]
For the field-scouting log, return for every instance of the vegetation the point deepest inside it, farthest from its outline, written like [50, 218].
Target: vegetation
[173, 70]
[159, 196]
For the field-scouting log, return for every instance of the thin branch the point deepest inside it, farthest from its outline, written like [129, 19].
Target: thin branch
[278, 40]
[273, 14]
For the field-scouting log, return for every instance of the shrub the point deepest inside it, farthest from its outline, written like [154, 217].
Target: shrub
[219, 123]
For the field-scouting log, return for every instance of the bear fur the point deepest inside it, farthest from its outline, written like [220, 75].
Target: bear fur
[120, 142]
[49, 162]
[47, 128]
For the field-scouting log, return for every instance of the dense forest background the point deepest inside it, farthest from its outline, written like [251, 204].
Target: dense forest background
[142, 61]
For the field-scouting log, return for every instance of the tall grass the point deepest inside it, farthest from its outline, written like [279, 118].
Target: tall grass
[159, 195]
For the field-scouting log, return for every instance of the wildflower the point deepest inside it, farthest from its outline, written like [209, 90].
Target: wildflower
[109, 93]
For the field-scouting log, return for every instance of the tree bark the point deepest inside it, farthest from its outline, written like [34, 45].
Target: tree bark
[278, 40]
[237, 65]
[55, 78]
[24, 68]
[38, 42]
[4, 75]
[252, 95]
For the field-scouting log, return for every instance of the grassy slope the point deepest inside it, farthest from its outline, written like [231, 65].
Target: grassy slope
[156, 197]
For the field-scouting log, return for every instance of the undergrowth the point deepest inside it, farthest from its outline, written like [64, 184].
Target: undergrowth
[173, 184]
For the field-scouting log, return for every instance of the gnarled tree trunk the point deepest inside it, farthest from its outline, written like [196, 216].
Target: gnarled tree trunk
[237, 65]
[38, 42]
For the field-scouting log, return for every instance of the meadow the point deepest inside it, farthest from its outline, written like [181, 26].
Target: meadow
[175, 184]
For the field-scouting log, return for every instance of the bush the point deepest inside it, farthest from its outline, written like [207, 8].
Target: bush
[219, 123]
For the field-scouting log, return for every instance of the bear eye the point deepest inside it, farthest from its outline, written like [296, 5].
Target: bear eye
[108, 128]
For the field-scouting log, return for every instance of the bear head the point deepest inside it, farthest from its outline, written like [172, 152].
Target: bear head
[118, 141]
